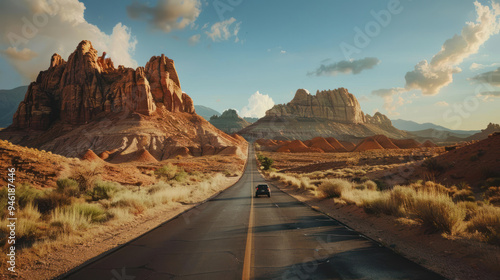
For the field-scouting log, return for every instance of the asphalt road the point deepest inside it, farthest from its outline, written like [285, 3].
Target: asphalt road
[285, 240]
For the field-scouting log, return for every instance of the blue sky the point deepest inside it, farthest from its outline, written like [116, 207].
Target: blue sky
[277, 47]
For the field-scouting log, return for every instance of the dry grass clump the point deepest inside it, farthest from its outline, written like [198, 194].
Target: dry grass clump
[486, 222]
[83, 201]
[451, 210]
[333, 188]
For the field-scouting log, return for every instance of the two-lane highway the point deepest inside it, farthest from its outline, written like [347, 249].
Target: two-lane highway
[236, 236]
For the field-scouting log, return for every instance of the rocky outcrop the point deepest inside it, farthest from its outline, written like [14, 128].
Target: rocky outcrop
[229, 121]
[85, 86]
[122, 114]
[490, 129]
[336, 105]
[331, 113]
[378, 119]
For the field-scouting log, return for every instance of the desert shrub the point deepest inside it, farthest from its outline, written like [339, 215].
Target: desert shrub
[401, 201]
[370, 185]
[366, 185]
[87, 175]
[432, 165]
[267, 163]
[167, 171]
[382, 185]
[103, 190]
[68, 187]
[464, 195]
[470, 207]
[68, 220]
[487, 223]
[492, 182]
[333, 187]
[379, 204]
[94, 212]
[181, 175]
[50, 201]
[492, 195]
[438, 212]
[26, 194]
[134, 201]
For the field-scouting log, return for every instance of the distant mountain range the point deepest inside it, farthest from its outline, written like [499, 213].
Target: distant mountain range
[414, 126]
[9, 100]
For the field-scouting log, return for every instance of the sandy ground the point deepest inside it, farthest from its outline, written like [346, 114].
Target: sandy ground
[454, 259]
[72, 253]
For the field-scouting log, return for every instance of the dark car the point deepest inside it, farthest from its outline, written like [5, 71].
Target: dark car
[262, 189]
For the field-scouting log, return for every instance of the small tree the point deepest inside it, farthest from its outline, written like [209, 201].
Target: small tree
[267, 163]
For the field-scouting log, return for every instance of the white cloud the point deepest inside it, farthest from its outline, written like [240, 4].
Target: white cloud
[224, 30]
[195, 39]
[477, 66]
[346, 67]
[442, 104]
[257, 106]
[390, 104]
[167, 15]
[283, 52]
[55, 26]
[15, 54]
[431, 77]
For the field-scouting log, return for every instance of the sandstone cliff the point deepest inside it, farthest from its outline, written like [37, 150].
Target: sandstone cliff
[87, 85]
[331, 113]
[335, 105]
[86, 103]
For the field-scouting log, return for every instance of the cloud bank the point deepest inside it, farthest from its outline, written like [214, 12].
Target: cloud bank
[31, 31]
[167, 15]
[224, 30]
[346, 67]
[257, 106]
[431, 77]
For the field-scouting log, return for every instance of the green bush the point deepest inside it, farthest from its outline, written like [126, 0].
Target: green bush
[51, 200]
[168, 171]
[27, 194]
[103, 190]
[433, 166]
[68, 187]
[267, 163]
[94, 212]
[181, 175]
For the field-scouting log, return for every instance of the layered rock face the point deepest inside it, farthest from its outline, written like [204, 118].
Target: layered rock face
[121, 114]
[87, 85]
[336, 105]
[329, 113]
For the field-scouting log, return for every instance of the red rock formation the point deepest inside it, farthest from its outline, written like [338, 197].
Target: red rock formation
[384, 142]
[297, 146]
[78, 90]
[321, 143]
[349, 146]
[368, 144]
[336, 105]
[429, 144]
[339, 147]
[406, 143]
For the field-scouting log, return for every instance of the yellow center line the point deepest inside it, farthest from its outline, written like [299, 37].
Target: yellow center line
[247, 263]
